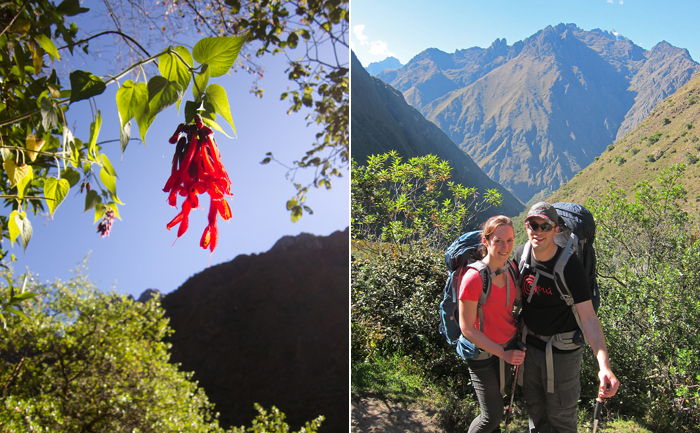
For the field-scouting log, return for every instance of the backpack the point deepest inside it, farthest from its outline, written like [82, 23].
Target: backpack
[458, 255]
[576, 236]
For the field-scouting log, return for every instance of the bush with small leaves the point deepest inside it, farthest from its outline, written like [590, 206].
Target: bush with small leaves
[649, 311]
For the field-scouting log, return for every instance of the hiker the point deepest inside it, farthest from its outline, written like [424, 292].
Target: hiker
[554, 330]
[499, 325]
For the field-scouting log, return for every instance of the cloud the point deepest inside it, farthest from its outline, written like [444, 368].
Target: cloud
[379, 48]
[358, 31]
[376, 48]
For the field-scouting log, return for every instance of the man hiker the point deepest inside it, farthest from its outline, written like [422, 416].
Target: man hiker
[557, 315]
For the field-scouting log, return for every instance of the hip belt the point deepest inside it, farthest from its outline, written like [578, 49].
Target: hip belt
[564, 341]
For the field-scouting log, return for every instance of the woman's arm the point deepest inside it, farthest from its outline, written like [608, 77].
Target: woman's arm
[467, 320]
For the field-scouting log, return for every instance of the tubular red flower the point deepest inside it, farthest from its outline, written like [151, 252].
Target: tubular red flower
[196, 169]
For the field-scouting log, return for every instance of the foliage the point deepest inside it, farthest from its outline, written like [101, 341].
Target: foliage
[649, 265]
[394, 310]
[90, 361]
[319, 74]
[42, 160]
[274, 422]
[77, 359]
[398, 204]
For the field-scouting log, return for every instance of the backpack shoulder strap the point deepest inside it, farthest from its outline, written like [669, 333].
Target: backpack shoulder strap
[485, 273]
[560, 281]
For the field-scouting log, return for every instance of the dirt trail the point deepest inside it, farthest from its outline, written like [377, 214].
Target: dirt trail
[381, 415]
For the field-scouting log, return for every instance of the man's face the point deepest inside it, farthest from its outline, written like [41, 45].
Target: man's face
[541, 234]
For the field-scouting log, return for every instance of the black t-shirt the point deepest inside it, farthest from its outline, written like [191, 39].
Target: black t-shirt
[547, 313]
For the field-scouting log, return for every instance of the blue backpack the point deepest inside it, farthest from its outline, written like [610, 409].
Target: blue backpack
[458, 255]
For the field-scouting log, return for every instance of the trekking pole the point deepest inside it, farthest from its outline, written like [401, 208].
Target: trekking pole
[519, 346]
[596, 413]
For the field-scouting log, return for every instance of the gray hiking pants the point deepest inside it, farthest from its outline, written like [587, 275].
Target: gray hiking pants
[552, 412]
[486, 378]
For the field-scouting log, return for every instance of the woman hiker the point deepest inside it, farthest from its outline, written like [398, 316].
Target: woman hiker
[498, 325]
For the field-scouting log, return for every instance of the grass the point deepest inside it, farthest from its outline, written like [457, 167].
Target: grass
[398, 378]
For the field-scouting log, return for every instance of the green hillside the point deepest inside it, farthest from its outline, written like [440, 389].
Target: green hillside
[669, 135]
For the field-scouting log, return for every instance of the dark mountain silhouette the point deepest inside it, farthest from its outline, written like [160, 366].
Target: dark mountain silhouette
[270, 328]
[534, 114]
[381, 121]
[389, 63]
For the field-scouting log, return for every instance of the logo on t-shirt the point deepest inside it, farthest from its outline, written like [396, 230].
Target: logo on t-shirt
[527, 286]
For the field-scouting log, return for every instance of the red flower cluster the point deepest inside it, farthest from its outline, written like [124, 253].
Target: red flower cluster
[105, 226]
[196, 169]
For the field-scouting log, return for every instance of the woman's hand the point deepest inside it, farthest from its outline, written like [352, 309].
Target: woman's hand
[513, 357]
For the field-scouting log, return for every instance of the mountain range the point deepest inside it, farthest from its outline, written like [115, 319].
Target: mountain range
[381, 121]
[375, 68]
[270, 328]
[535, 113]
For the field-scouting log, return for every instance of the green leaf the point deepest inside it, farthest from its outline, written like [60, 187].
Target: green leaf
[22, 184]
[92, 199]
[48, 46]
[15, 173]
[110, 182]
[132, 98]
[49, 118]
[22, 227]
[13, 227]
[172, 68]
[291, 204]
[219, 53]
[72, 176]
[201, 80]
[216, 96]
[16, 312]
[22, 296]
[55, 191]
[100, 210]
[207, 119]
[297, 212]
[71, 8]
[125, 136]
[84, 85]
[95, 127]
[162, 93]
[108, 165]
[190, 111]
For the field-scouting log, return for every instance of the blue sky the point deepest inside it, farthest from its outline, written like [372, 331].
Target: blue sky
[404, 28]
[139, 253]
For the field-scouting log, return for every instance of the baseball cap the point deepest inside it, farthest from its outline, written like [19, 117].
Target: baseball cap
[545, 211]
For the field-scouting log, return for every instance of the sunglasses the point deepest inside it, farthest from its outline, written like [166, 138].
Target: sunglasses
[545, 227]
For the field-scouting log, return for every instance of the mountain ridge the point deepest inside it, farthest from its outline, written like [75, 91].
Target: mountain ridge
[270, 328]
[533, 114]
[381, 121]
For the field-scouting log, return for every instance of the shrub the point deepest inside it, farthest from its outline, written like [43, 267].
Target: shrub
[619, 160]
[655, 137]
[634, 151]
[395, 301]
[399, 205]
[89, 361]
[650, 158]
[691, 158]
[610, 148]
[649, 310]
[666, 121]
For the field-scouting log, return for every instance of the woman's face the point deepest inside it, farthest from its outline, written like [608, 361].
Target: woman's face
[500, 244]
